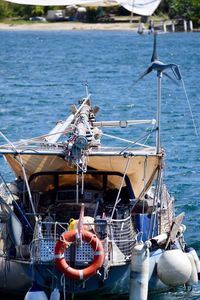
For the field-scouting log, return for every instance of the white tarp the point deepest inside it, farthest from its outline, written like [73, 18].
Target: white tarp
[66, 2]
[139, 7]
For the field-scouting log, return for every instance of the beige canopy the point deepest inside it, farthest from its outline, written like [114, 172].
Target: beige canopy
[141, 169]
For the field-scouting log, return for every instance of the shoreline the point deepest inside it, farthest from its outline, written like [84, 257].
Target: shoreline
[64, 26]
[71, 25]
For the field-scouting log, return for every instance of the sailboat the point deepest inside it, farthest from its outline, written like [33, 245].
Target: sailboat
[82, 218]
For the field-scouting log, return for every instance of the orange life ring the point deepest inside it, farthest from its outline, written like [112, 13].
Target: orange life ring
[70, 237]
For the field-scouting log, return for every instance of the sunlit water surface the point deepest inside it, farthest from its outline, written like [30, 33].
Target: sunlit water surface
[42, 73]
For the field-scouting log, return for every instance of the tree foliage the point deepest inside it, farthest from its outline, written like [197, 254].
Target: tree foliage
[5, 10]
[17, 10]
[186, 9]
[38, 11]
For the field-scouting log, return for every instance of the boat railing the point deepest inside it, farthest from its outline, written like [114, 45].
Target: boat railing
[44, 238]
[122, 237]
[166, 212]
[118, 238]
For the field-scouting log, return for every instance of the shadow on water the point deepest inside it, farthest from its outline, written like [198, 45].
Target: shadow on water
[178, 294]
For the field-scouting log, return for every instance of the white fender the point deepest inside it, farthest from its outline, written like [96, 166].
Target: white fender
[35, 293]
[174, 268]
[139, 275]
[55, 294]
[196, 258]
[194, 276]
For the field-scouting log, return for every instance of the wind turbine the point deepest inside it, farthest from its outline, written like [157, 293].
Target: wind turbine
[160, 68]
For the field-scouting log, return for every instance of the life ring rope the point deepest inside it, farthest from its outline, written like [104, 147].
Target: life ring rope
[65, 241]
[91, 239]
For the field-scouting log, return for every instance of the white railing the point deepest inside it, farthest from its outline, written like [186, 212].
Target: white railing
[118, 238]
[45, 236]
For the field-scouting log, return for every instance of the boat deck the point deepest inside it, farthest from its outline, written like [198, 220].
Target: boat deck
[94, 151]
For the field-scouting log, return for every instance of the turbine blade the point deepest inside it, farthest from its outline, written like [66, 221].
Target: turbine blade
[154, 54]
[167, 75]
[176, 72]
[147, 71]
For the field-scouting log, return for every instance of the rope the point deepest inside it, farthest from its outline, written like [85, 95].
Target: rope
[38, 139]
[122, 182]
[144, 179]
[158, 194]
[128, 141]
[155, 201]
[64, 241]
[190, 108]
[141, 138]
[62, 283]
[147, 184]
[23, 171]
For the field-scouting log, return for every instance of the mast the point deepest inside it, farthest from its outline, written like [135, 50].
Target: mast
[159, 79]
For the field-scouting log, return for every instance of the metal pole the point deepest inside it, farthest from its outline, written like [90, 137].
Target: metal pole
[131, 19]
[159, 74]
[77, 184]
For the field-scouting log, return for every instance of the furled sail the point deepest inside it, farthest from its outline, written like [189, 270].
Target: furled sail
[140, 7]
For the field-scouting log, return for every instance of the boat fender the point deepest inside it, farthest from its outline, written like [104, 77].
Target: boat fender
[15, 229]
[194, 276]
[72, 224]
[160, 239]
[174, 268]
[35, 293]
[55, 294]
[182, 228]
[67, 238]
[196, 259]
[139, 275]
[23, 251]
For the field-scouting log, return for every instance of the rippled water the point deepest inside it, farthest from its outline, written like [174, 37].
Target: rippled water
[42, 73]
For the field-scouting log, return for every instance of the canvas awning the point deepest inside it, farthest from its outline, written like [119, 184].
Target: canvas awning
[141, 170]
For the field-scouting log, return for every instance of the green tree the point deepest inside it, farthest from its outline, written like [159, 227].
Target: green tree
[187, 9]
[38, 11]
[23, 11]
[91, 14]
[5, 10]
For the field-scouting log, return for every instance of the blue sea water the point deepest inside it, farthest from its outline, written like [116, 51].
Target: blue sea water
[43, 73]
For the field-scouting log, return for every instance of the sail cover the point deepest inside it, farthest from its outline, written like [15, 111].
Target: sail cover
[140, 7]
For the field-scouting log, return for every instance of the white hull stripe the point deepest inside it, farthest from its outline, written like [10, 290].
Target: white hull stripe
[59, 256]
[98, 253]
[81, 274]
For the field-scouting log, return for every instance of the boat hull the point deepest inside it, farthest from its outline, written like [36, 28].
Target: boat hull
[16, 278]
